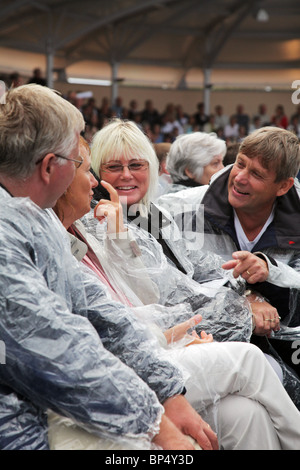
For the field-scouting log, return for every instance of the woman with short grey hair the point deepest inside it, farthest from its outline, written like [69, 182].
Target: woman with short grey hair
[194, 158]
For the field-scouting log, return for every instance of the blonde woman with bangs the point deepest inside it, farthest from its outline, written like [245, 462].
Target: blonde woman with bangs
[120, 143]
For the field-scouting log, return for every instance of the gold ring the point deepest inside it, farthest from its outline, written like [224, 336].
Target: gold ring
[248, 273]
[269, 319]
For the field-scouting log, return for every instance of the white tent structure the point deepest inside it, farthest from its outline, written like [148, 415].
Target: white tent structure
[169, 43]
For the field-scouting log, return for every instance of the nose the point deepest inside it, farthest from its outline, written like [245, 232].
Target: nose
[125, 172]
[93, 181]
[242, 175]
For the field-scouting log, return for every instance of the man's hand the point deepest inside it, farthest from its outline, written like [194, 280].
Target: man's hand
[190, 423]
[266, 318]
[170, 437]
[180, 331]
[252, 268]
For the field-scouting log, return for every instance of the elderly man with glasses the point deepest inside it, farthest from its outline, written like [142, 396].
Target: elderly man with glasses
[69, 347]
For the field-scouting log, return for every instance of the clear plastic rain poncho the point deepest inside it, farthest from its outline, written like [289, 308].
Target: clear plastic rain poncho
[137, 264]
[68, 347]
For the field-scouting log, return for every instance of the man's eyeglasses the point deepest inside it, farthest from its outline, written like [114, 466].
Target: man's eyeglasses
[78, 163]
[141, 165]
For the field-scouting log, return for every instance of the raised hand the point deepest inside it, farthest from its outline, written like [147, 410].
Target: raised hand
[111, 210]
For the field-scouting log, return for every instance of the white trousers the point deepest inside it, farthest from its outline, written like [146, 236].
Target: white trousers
[235, 389]
[232, 386]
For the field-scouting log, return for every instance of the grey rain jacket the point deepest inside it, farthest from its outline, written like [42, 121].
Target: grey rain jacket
[68, 346]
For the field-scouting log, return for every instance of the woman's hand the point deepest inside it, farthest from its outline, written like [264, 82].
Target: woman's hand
[110, 210]
[180, 331]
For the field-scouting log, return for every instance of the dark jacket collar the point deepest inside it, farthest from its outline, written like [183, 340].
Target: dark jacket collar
[188, 182]
[285, 228]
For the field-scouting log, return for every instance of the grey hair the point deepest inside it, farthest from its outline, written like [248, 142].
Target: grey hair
[34, 121]
[193, 152]
[276, 149]
[124, 138]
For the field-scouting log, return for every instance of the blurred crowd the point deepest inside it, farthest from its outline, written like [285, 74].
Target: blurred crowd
[174, 120]
[165, 126]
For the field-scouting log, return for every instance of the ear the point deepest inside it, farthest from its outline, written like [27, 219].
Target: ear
[285, 186]
[163, 168]
[189, 173]
[47, 167]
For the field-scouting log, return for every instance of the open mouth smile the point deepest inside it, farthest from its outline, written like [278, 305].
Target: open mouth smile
[125, 188]
[239, 192]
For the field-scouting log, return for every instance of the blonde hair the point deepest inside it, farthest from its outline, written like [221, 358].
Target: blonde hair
[121, 138]
[34, 121]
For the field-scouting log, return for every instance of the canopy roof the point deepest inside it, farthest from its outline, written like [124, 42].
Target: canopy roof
[181, 34]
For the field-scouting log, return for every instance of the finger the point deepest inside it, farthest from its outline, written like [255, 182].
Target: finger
[114, 197]
[98, 213]
[101, 210]
[275, 323]
[195, 320]
[183, 327]
[241, 255]
[229, 264]
[207, 438]
[253, 274]
[207, 337]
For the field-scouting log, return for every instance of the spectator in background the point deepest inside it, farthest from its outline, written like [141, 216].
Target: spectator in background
[91, 113]
[191, 126]
[231, 130]
[156, 135]
[170, 125]
[133, 110]
[194, 158]
[280, 119]
[221, 119]
[255, 124]
[294, 125]
[37, 77]
[296, 113]
[104, 111]
[200, 117]
[210, 125]
[164, 180]
[182, 116]
[118, 108]
[242, 118]
[263, 115]
[150, 114]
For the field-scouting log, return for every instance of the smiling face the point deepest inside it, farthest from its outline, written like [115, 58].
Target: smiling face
[131, 186]
[252, 188]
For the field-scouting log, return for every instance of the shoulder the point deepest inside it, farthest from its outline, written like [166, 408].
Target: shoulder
[184, 195]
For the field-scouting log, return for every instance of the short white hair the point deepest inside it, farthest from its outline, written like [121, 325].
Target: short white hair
[121, 138]
[193, 152]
